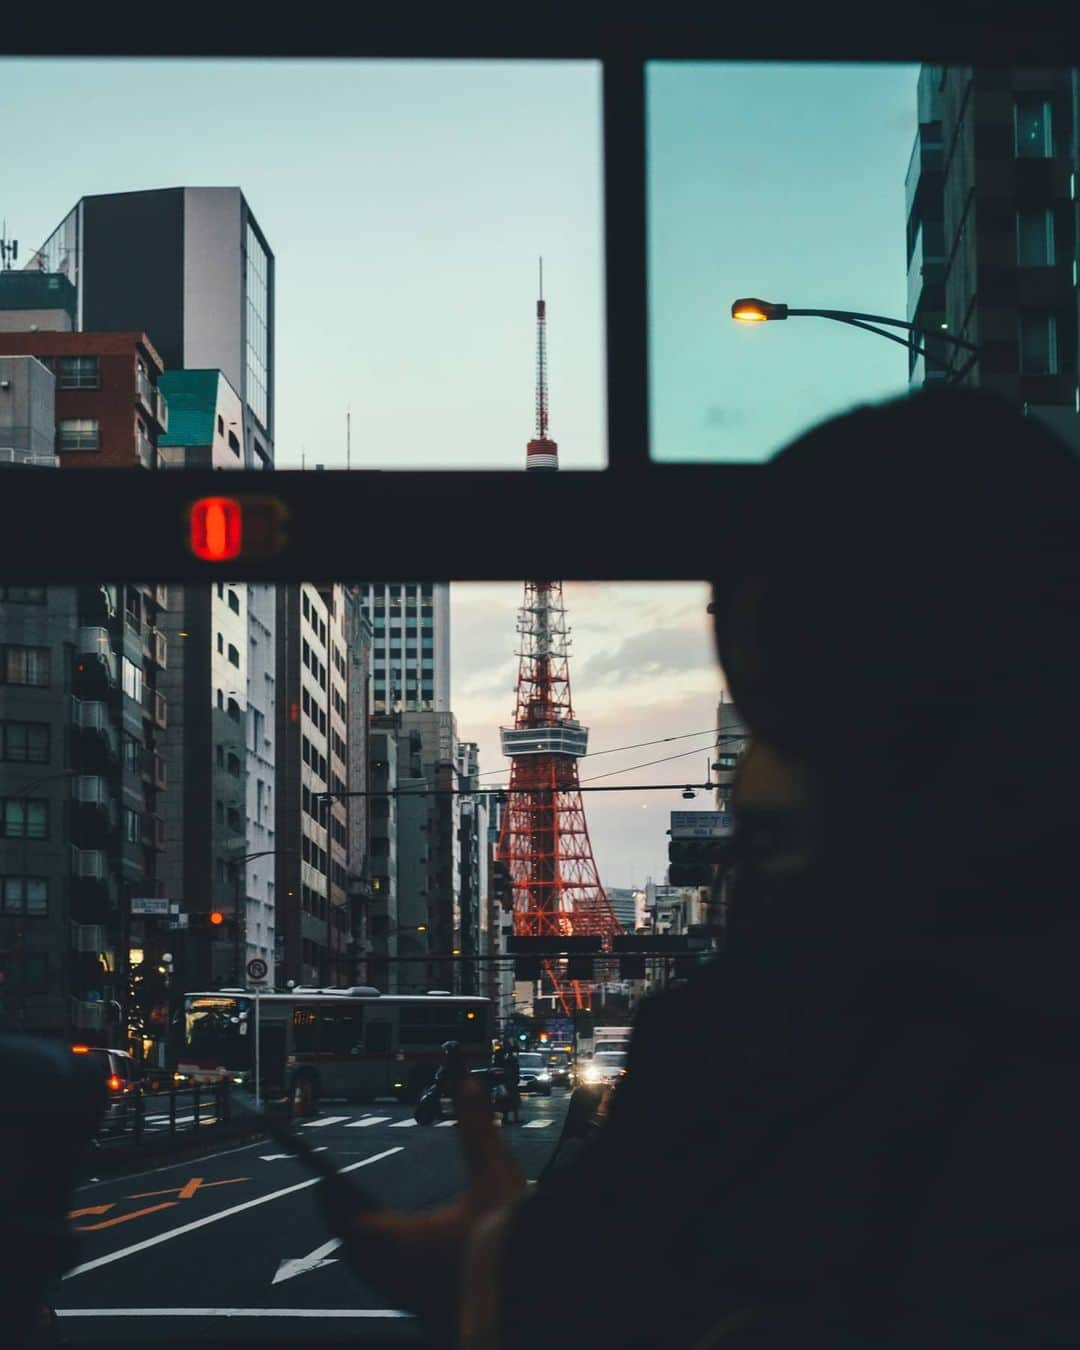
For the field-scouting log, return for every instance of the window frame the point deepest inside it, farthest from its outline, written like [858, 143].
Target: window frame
[86, 440]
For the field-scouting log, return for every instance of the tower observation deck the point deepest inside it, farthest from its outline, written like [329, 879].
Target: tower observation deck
[545, 839]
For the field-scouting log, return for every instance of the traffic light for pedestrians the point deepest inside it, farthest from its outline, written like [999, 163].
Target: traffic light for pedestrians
[691, 861]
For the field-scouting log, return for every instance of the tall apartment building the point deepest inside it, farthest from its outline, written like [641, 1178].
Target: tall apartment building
[81, 687]
[260, 883]
[190, 267]
[411, 653]
[313, 918]
[1007, 205]
[211, 745]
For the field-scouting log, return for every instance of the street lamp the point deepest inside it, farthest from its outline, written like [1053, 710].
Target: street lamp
[750, 309]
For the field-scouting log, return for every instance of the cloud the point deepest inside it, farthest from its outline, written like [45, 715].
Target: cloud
[672, 649]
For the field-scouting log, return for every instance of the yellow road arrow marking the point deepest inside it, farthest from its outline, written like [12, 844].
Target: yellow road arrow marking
[123, 1218]
[93, 1209]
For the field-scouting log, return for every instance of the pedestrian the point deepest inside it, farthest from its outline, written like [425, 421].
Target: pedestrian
[877, 1078]
[513, 1085]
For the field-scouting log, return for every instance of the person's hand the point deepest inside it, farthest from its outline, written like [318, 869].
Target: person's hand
[414, 1259]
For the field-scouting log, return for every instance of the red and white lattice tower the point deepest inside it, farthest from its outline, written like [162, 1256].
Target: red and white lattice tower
[544, 839]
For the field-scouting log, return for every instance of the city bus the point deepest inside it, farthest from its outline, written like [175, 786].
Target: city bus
[355, 1043]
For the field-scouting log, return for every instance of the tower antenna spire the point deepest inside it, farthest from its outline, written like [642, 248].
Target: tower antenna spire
[541, 363]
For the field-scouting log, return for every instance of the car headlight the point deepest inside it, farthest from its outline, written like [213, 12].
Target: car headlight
[544, 1076]
[592, 1075]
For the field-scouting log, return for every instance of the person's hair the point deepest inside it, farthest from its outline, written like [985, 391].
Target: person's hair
[907, 587]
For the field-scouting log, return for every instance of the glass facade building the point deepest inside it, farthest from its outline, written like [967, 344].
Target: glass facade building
[411, 645]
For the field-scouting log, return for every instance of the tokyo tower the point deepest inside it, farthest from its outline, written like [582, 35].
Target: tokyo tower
[544, 839]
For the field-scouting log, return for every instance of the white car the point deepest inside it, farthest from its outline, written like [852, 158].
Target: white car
[607, 1066]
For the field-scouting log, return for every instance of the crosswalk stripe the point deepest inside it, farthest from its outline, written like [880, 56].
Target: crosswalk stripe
[442, 1124]
[367, 1120]
[326, 1120]
[402, 1124]
[537, 1124]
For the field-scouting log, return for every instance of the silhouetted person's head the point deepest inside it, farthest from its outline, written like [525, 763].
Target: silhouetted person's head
[900, 627]
[50, 1107]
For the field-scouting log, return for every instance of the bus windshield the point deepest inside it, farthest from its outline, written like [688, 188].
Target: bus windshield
[216, 1028]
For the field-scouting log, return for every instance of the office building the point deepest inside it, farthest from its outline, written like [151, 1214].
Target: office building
[628, 905]
[429, 844]
[384, 941]
[411, 652]
[313, 914]
[358, 807]
[1007, 212]
[471, 938]
[190, 267]
[925, 225]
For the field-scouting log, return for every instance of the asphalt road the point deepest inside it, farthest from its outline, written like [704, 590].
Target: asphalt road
[233, 1247]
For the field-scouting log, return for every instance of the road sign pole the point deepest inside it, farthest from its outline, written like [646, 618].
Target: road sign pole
[258, 1086]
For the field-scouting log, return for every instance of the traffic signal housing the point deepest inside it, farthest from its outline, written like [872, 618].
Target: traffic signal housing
[502, 885]
[691, 862]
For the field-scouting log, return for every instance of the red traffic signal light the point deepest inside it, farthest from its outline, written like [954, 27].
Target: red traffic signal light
[217, 528]
[221, 529]
[216, 917]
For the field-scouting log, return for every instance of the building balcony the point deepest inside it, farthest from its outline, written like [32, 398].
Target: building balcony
[88, 937]
[172, 457]
[153, 835]
[91, 719]
[89, 864]
[145, 452]
[96, 656]
[154, 707]
[158, 647]
[154, 769]
[161, 595]
[93, 808]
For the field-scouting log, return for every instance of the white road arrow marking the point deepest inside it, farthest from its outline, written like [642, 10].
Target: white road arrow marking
[273, 1157]
[302, 1264]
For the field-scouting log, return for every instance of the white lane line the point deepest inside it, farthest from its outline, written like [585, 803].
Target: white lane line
[442, 1124]
[231, 1312]
[367, 1120]
[537, 1124]
[402, 1124]
[214, 1218]
[326, 1120]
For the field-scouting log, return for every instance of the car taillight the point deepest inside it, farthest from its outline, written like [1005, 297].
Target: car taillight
[115, 1083]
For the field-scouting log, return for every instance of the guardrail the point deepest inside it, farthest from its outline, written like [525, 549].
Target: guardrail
[127, 1117]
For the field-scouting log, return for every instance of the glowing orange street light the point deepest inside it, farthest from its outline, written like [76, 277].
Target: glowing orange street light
[751, 310]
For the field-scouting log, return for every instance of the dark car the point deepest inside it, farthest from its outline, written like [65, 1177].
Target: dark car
[123, 1075]
[534, 1074]
[561, 1067]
